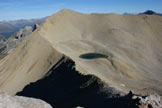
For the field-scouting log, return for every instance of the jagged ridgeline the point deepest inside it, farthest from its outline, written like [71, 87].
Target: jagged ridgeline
[18, 37]
[7, 28]
[125, 51]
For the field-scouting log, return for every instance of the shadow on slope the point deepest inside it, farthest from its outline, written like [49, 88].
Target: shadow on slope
[64, 87]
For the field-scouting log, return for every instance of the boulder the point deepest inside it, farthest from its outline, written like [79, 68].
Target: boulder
[7, 101]
[150, 101]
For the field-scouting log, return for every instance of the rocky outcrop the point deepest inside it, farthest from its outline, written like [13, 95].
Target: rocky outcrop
[7, 28]
[24, 32]
[2, 39]
[35, 27]
[17, 39]
[7, 101]
[150, 101]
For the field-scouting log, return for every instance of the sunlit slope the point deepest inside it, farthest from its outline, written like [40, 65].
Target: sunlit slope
[132, 44]
[28, 63]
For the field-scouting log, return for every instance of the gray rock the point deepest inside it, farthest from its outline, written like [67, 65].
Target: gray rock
[7, 101]
[151, 101]
[20, 35]
[23, 32]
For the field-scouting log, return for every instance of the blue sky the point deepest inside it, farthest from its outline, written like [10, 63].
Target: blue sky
[27, 9]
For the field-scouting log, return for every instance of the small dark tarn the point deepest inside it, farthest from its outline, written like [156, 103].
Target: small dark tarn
[93, 56]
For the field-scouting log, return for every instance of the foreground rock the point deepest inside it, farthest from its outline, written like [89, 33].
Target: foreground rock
[151, 101]
[7, 101]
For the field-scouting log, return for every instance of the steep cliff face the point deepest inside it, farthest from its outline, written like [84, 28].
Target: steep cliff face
[123, 51]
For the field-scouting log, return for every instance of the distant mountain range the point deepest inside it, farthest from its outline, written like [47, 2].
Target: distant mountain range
[7, 28]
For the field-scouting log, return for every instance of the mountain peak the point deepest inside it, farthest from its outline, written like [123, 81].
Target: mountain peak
[149, 12]
[67, 11]
[64, 10]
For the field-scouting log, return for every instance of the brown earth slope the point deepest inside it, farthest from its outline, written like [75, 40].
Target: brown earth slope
[131, 45]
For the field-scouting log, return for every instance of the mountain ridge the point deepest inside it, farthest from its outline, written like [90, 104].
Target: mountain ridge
[66, 21]
[125, 40]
